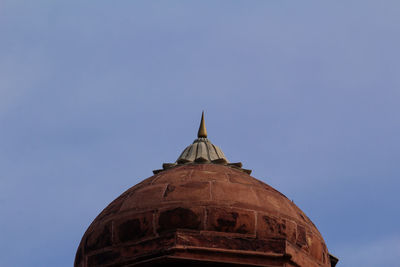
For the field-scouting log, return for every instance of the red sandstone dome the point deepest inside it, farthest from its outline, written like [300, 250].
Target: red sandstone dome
[202, 211]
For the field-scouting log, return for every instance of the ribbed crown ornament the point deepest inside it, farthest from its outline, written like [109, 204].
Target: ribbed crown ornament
[202, 151]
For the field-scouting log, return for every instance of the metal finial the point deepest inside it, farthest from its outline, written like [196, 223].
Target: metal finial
[202, 129]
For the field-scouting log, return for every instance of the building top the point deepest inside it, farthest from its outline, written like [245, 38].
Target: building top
[202, 151]
[202, 211]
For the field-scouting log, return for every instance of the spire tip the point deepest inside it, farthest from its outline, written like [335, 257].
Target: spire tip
[202, 129]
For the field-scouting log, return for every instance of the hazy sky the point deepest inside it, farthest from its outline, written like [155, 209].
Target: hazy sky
[94, 95]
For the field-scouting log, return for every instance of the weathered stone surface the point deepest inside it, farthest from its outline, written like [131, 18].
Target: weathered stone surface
[148, 196]
[133, 227]
[234, 194]
[202, 211]
[103, 258]
[317, 248]
[180, 218]
[208, 172]
[301, 236]
[273, 226]
[189, 190]
[100, 237]
[230, 220]
[303, 259]
[147, 248]
[219, 240]
[78, 257]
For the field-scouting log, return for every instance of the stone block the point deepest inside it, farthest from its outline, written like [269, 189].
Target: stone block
[133, 227]
[234, 194]
[191, 190]
[180, 218]
[99, 238]
[144, 197]
[271, 226]
[230, 220]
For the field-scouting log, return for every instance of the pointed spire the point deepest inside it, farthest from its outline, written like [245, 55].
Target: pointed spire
[202, 129]
[202, 151]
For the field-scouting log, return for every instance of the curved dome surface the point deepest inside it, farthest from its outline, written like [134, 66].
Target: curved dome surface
[202, 212]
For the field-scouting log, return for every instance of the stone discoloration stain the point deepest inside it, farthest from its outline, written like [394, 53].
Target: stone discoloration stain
[178, 218]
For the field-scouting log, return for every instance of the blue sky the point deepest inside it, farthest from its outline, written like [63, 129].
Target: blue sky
[94, 95]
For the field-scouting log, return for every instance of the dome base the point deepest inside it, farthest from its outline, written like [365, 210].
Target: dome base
[203, 248]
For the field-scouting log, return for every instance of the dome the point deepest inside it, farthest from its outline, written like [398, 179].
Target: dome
[202, 213]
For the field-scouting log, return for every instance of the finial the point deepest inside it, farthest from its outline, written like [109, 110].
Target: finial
[202, 129]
